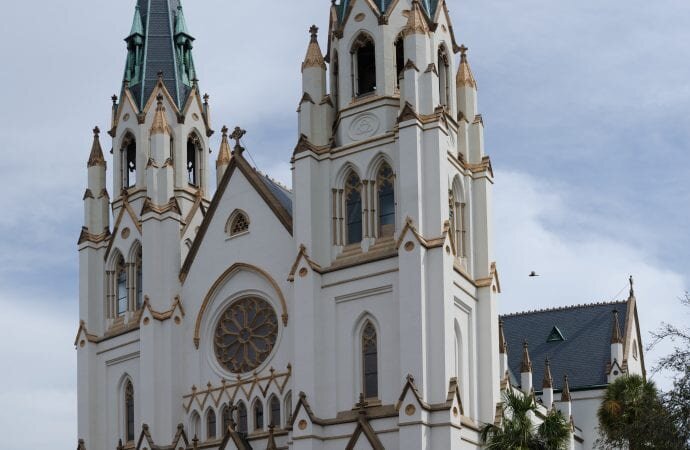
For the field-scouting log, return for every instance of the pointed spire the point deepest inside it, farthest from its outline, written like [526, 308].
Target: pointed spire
[502, 344]
[526, 363]
[416, 22]
[160, 122]
[96, 157]
[616, 337]
[465, 77]
[565, 395]
[137, 23]
[314, 57]
[224, 152]
[548, 379]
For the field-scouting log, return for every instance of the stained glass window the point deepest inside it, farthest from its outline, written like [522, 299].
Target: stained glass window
[386, 195]
[242, 418]
[121, 287]
[211, 424]
[353, 196]
[275, 411]
[129, 412]
[370, 361]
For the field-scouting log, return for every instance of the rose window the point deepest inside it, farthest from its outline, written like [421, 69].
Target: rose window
[246, 334]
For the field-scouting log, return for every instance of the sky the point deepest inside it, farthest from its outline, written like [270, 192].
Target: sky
[586, 106]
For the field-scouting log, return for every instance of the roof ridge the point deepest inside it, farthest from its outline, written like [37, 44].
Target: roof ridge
[564, 308]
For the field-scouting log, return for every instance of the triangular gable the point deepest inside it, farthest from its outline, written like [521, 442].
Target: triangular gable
[351, 6]
[632, 325]
[194, 94]
[237, 162]
[128, 98]
[303, 255]
[126, 208]
[555, 335]
[364, 428]
[180, 438]
[145, 440]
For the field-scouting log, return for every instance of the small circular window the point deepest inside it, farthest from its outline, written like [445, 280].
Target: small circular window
[245, 335]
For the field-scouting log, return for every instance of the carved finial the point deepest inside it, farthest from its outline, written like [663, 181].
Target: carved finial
[237, 134]
[526, 362]
[159, 98]
[114, 99]
[96, 156]
[463, 52]
[160, 122]
[362, 404]
[96, 131]
[119, 445]
[465, 78]
[206, 97]
[314, 31]
[195, 442]
[548, 379]
[195, 82]
[160, 75]
[314, 58]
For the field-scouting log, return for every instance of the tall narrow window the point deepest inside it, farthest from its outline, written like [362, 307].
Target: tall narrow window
[129, 162]
[121, 287]
[463, 231]
[225, 418]
[129, 412]
[211, 424]
[443, 78]
[353, 201]
[242, 425]
[386, 200]
[364, 65]
[288, 409]
[275, 411]
[258, 415]
[335, 84]
[370, 361]
[399, 59]
[192, 161]
[139, 281]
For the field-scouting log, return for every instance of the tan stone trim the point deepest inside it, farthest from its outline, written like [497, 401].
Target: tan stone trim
[302, 254]
[133, 104]
[164, 315]
[160, 89]
[236, 162]
[303, 145]
[192, 213]
[226, 275]
[85, 236]
[488, 281]
[361, 258]
[150, 207]
[126, 207]
[426, 243]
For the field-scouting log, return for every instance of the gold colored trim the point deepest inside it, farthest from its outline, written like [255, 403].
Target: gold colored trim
[126, 207]
[150, 207]
[302, 254]
[222, 279]
[417, 22]
[314, 57]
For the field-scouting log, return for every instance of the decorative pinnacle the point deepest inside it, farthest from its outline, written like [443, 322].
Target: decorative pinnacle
[314, 58]
[548, 379]
[224, 153]
[565, 395]
[632, 287]
[502, 344]
[465, 76]
[314, 31]
[114, 99]
[96, 131]
[96, 156]
[206, 97]
[160, 123]
[526, 362]
[616, 337]
[463, 52]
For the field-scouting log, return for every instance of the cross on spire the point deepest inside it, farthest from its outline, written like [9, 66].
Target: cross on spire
[237, 135]
[314, 31]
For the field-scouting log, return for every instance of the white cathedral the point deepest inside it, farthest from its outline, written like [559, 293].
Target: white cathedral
[357, 310]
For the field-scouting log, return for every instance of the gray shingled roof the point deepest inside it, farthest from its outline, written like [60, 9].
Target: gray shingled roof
[158, 18]
[584, 353]
[281, 193]
[429, 5]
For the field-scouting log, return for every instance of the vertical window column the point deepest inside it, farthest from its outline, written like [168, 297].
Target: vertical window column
[370, 362]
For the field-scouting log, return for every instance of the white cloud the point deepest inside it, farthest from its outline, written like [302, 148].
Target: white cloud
[578, 265]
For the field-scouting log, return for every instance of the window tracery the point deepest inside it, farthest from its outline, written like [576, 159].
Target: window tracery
[239, 223]
[258, 415]
[129, 411]
[211, 424]
[225, 419]
[275, 411]
[370, 361]
[353, 203]
[386, 200]
[242, 425]
[457, 220]
[121, 287]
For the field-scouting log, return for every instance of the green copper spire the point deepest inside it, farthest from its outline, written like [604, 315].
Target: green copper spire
[159, 43]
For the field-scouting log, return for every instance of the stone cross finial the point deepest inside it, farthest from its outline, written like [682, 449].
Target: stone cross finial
[314, 31]
[206, 97]
[632, 286]
[463, 52]
[237, 135]
[96, 131]
[114, 99]
[224, 130]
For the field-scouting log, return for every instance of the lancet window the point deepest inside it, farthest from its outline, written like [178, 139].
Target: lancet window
[370, 361]
[399, 60]
[128, 158]
[193, 160]
[275, 411]
[335, 80]
[364, 65]
[386, 200]
[121, 287]
[444, 78]
[211, 424]
[129, 412]
[353, 208]
[225, 419]
[139, 281]
[458, 226]
[258, 415]
[242, 422]
[288, 409]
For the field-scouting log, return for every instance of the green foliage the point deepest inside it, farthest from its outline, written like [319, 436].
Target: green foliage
[632, 416]
[517, 432]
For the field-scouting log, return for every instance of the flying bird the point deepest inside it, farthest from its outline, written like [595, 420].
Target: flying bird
[533, 274]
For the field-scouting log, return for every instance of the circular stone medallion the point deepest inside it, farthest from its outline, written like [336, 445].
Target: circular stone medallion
[364, 126]
[245, 335]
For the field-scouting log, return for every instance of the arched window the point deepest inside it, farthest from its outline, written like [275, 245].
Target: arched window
[121, 287]
[129, 412]
[399, 59]
[458, 225]
[353, 205]
[195, 424]
[443, 77]
[275, 411]
[335, 80]
[139, 280]
[193, 160]
[211, 424]
[364, 65]
[225, 417]
[238, 223]
[258, 415]
[128, 158]
[386, 200]
[288, 409]
[242, 425]
[370, 361]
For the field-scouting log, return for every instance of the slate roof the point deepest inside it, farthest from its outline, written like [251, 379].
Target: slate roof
[583, 355]
[158, 17]
[282, 194]
[430, 7]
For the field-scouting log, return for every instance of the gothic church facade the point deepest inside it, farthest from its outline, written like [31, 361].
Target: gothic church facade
[357, 310]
